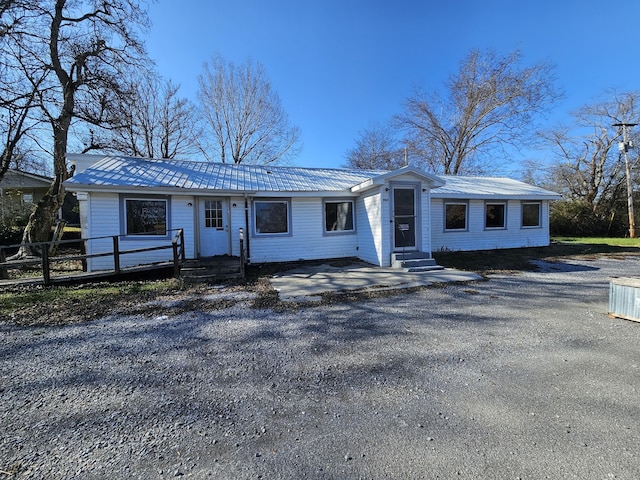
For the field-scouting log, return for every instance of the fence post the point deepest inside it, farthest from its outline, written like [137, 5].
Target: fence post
[116, 254]
[242, 256]
[176, 260]
[3, 270]
[46, 273]
[182, 244]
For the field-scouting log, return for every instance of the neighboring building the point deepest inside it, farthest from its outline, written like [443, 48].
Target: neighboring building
[295, 213]
[19, 192]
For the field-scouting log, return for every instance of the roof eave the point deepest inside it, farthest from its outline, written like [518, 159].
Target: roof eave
[475, 196]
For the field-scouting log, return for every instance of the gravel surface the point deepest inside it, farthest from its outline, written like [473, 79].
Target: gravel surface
[522, 376]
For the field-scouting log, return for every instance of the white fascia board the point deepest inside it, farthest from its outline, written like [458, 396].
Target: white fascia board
[496, 196]
[202, 192]
[340, 194]
[153, 190]
[433, 180]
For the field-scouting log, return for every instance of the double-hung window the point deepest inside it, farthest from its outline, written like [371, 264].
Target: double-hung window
[272, 217]
[339, 216]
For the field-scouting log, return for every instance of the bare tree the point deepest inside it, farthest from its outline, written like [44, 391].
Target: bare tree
[489, 105]
[18, 95]
[154, 122]
[244, 114]
[377, 148]
[589, 167]
[81, 50]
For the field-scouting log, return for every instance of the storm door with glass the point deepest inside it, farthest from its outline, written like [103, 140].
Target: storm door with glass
[404, 205]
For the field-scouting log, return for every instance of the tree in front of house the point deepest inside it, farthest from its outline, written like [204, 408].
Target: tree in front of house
[77, 53]
[243, 115]
[489, 106]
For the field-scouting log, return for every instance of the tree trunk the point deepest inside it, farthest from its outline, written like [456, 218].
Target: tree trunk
[41, 221]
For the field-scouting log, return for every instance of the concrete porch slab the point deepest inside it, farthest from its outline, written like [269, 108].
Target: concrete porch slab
[308, 283]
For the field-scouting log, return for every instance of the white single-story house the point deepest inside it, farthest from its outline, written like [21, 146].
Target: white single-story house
[294, 213]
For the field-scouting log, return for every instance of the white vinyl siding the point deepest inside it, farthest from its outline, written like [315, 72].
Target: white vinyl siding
[369, 213]
[107, 208]
[307, 240]
[477, 237]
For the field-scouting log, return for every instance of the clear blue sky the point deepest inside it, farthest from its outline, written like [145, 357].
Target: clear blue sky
[340, 66]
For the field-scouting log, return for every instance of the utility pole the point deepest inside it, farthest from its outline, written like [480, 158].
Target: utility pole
[624, 146]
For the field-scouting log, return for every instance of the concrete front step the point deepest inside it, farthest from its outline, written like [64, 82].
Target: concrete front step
[429, 268]
[212, 268]
[414, 262]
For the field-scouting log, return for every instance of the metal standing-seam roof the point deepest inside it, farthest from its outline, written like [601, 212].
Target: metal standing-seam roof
[120, 173]
[458, 187]
[126, 172]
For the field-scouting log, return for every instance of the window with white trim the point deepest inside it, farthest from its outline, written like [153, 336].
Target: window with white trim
[145, 216]
[271, 217]
[455, 216]
[495, 215]
[339, 216]
[531, 213]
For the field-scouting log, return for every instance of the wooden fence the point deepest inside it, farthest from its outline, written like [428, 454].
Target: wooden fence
[46, 259]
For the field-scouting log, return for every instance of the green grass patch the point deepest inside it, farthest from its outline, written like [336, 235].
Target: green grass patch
[90, 296]
[614, 242]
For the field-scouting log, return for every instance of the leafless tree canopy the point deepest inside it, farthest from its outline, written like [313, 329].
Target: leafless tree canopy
[244, 115]
[376, 148]
[72, 55]
[153, 122]
[588, 166]
[490, 104]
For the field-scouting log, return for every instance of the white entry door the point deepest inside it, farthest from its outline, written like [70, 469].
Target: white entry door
[214, 229]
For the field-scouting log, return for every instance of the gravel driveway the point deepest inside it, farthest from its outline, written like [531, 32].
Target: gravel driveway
[522, 376]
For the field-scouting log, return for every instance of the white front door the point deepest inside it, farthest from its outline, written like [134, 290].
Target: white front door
[405, 218]
[213, 217]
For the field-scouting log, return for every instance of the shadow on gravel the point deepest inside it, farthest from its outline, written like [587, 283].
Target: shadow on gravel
[519, 376]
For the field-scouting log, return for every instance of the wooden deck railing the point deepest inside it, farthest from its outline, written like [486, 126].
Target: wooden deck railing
[45, 260]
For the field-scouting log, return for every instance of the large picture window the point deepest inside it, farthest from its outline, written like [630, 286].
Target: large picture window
[271, 217]
[145, 216]
[455, 216]
[338, 216]
[495, 215]
[531, 214]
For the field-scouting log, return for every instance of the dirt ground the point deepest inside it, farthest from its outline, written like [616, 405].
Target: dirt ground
[521, 376]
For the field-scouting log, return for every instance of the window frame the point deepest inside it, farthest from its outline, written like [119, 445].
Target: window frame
[503, 204]
[218, 218]
[254, 213]
[530, 202]
[328, 201]
[465, 204]
[124, 224]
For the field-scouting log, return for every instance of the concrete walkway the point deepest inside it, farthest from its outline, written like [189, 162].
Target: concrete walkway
[308, 283]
